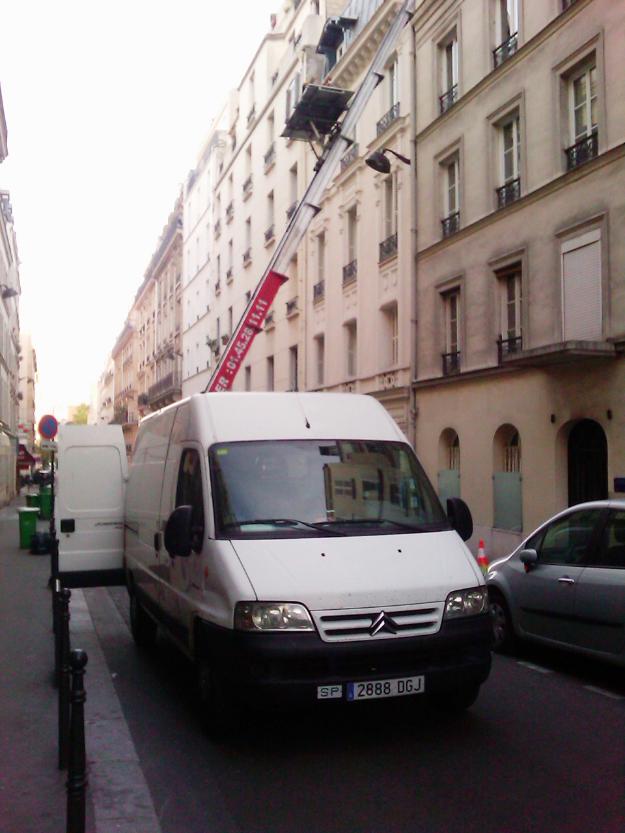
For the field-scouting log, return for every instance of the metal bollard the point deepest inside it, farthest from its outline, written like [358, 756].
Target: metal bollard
[64, 676]
[76, 773]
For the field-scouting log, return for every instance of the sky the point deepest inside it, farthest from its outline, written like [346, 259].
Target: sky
[107, 104]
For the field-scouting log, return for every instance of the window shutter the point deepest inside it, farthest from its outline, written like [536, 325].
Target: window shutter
[581, 290]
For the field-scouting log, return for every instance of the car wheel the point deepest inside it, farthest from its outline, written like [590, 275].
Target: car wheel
[503, 635]
[219, 714]
[458, 700]
[142, 626]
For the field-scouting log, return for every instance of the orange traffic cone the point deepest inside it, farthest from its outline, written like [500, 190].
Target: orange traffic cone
[481, 557]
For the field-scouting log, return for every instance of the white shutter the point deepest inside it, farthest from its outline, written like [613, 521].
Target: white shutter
[581, 288]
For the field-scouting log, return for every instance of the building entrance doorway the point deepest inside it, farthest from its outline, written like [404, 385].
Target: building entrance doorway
[587, 462]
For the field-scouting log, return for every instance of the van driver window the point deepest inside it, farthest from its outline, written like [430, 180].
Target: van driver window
[189, 492]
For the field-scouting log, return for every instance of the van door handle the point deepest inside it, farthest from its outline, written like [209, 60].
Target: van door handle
[566, 580]
[68, 525]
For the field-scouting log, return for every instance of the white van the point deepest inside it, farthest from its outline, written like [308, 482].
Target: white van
[294, 549]
[90, 483]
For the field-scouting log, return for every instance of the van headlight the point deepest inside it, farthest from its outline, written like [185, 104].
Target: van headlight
[272, 616]
[466, 602]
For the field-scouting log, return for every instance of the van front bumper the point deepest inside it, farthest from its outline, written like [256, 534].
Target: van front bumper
[269, 668]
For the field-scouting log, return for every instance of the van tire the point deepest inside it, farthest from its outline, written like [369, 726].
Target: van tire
[142, 626]
[503, 633]
[458, 700]
[219, 714]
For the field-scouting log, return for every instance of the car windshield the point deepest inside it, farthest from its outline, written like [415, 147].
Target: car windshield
[304, 488]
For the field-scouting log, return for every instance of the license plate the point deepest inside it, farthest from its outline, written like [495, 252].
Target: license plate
[372, 690]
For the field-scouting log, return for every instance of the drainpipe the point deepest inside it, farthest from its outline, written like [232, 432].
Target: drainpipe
[414, 300]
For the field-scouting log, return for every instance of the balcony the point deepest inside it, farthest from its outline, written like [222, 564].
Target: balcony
[270, 234]
[448, 99]
[510, 192]
[229, 211]
[270, 320]
[270, 156]
[247, 187]
[506, 50]
[251, 115]
[508, 346]
[451, 363]
[451, 224]
[565, 352]
[291, 210]
[247, 256]
[291, 307]
[387, 119]
[582, 151]
[168, 389]
[349, 157]
[229, 275]
[217, 228]
[388, 248]
[217, 287]
[350, 273]
[319, 291]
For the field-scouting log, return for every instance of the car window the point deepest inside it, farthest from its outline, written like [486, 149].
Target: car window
[566, 539]
[611, 549]
[189, 493]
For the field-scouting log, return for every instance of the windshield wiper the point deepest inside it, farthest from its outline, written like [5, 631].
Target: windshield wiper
[318, 528]
[400, 524]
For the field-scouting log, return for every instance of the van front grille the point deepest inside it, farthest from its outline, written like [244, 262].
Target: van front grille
[378, 623]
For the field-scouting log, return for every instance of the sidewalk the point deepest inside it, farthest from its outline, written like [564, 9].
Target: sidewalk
[32, 788]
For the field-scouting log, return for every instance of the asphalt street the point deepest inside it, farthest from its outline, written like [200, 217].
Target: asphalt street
[543, 749]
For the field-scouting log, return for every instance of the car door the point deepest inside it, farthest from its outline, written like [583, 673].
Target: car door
[600, 597]
[545, 594]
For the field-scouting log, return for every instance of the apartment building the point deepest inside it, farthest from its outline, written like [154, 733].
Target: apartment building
[125, 397]
[520, 275]
[26, 394]
[105, 394]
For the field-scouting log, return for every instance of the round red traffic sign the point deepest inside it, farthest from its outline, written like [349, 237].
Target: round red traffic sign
[48, 427]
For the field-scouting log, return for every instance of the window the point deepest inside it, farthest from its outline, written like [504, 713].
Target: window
[189, 493]
[448, 58]
[611, 550]
[391, 97]
[293, 94]
[320, 360]
[321, 257]
[351, 348]
[293, 368]
[507, 25]
[352, 233]
[451, 196]
[269, 231]
[270, 373]
[581, 288]
[248, 378]
[510, 161]
[566, 540]
[451, 356]
[390, 335]
[510, 303]
[390, 205]
[582, 96]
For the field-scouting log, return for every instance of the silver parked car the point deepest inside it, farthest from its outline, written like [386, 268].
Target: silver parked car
[565, 584]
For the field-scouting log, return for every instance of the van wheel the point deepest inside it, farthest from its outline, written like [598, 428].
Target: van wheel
[503, 635]
[219, 714]
[458, 700]
[142, 626]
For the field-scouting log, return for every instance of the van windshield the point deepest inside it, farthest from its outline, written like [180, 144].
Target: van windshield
[304, 488]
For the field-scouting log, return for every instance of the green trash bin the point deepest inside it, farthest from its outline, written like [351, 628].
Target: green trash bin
[45, 504]
[33, 501]
[28, 525]
[45, 490]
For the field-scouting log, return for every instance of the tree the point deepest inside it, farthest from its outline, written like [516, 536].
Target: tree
[81, 414]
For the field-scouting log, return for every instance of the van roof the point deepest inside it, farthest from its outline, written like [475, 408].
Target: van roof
[232, 416]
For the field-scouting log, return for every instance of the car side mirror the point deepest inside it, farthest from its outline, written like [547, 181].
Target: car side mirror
[178, 532]
[460, 518]
[529, 558]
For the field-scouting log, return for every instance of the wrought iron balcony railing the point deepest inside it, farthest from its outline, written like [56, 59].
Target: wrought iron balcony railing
[269, 233]
[319, 290]
[270, 320]
[506, 346]
[270, 156]
[451, 224]
[448, 98]
[451, 363]
[349, 157]
[229, 274]
[509, 192]
[387, 119]
[229, 211]
[291, 307]
[217, 228]
[350, 272]
[217, 287]
[506, 49]
[247, 256]
[582, 151]
[251, 114]
[291, 210]
[247, 187]
[388, 248]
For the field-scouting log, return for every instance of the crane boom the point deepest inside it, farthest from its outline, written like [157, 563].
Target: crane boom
[341, 137]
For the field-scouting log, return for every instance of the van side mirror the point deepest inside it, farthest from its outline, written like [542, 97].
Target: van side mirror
[178, 532]
[460, 518]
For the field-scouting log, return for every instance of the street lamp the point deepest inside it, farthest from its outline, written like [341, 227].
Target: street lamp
[380, 163]
[7, 291]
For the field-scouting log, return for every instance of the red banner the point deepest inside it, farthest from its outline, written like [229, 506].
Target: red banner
[241, 340]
